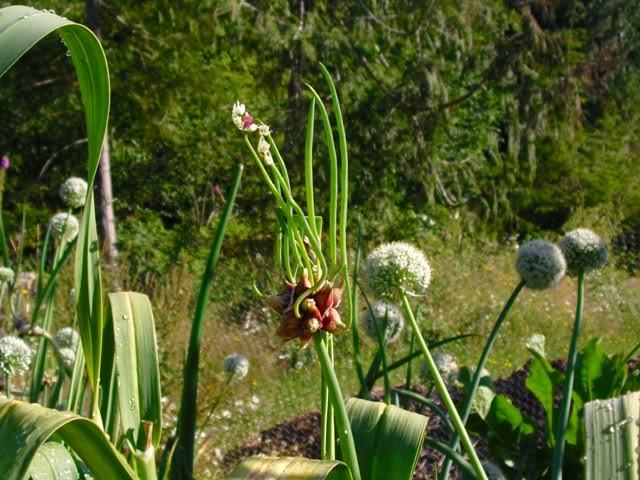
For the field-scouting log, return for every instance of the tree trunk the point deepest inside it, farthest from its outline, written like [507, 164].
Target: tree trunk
[105, 192]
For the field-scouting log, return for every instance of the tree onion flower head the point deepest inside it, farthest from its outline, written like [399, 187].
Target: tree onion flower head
[264, 150]
[68, 337]
[535, 343]
[64, 226]
[241, 118]
[68, 357]
[540, 264]
[376, 316]
[74, 192]
[396, 268]
[15, 356]
[317, 312]
[6, 275]
[236, 365]
[446, 365]
[584, 251]
[5, 163]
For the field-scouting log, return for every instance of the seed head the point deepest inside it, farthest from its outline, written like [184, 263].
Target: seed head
[15, 356]
[74, 192]
[6, 275]
[64, 226]
[67, 337]
[397, 267]
[236, 365]
[540, 264]
[584, 251]
[374, 318]
[68, 357]
[447, 366]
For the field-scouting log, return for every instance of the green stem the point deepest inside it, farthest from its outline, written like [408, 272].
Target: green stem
[444, 394]
[331, 424]
[412, 346]
[308, 168]
[353, 311]
[565, 406]
[477, 375]
[345, 434]
[7, 385]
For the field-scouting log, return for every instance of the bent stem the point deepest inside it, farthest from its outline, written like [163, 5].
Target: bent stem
[347, 444]
[477, 375]
[444, 394]
[565, 406]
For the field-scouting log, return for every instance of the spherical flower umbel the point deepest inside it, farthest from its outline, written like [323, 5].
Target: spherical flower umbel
[68, 357]
[6, 275]
[74, 192]
[540, 264]
[67, 337]
[584, 251]
[395, 268]
[446, 365]
[375, 317]
[15, 356]
[64, 226]
[236, 365]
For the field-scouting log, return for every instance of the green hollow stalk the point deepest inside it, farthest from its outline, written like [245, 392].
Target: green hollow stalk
[308, 168]
[477, 374]
[347, 444]
[355, 328]
[409, 375]
[444, 394]
[565, 405]
[7, 385]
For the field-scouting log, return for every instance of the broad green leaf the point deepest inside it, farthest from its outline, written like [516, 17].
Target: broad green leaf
[612, 438]
[388, 439]
[53, 462]
[597, 374]
[25, 427]
[137, 370]
[506, 421]
[542, 381]
[296, 468]
[20, 29]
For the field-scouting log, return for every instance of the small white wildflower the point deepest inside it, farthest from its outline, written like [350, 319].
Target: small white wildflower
[264, 130]
[395, 268]
[446, 365]
[536, 343]
[64, 226]
[68, 357]
[67, 337]
[584, 251]
[238, 109]
[540, 264]
[237, 365]
[74, 192]
[6, 274]
[374, 318]
[15, 356]
[225, 414]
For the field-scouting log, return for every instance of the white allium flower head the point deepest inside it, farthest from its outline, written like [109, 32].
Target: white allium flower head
[446, 365]
[584, 251]
[67, 337]
[7, 274]
[374, 318]
[64, 226]
[15, 356]
[536, 343]
[237, 121]
[264, 130]
[396, 267]
[540, 264]
[237, 365]
[68, 357]
[238, 109]
[74, 192]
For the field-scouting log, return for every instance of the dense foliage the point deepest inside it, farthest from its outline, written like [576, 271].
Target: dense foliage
[511, 114]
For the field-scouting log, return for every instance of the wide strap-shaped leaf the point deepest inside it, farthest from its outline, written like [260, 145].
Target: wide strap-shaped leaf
[25, 427]
[290, 468]
[53, 462]
[388, 439]
[20, 29]
[136, 364]
[613, 438]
